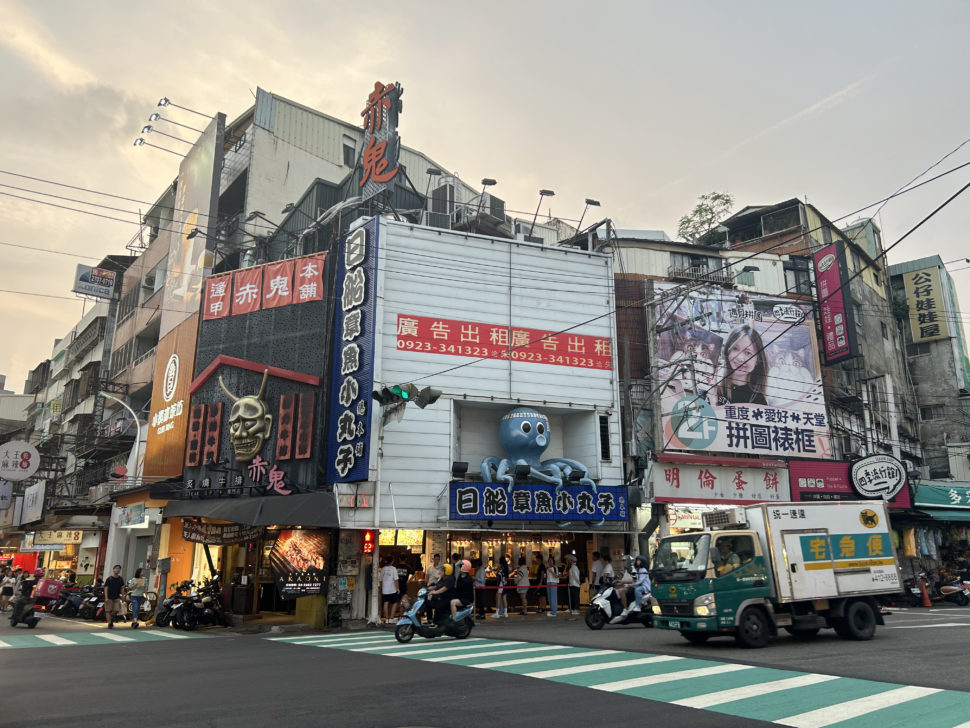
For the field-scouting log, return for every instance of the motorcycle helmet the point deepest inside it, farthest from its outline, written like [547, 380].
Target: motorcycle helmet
[466, 566]
[38, 572]
[448, 569]
[640, 562]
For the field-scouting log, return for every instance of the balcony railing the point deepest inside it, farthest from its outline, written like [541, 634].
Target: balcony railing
[701, 273]
[147, 355]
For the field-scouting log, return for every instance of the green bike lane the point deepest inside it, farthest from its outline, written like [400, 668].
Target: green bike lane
[786, 697]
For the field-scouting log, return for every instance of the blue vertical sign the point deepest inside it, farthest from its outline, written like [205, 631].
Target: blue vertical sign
[352, 370]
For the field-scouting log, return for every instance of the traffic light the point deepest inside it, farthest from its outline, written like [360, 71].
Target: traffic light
[370, 538]
[407, 393]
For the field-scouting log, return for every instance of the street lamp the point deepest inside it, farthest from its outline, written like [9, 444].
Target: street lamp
[140, 142]
[432, 172]
[486, 182]
[137, 427]
[165, 101]
[542, 193]
[589, 203]
[148, 129]
[155, 116]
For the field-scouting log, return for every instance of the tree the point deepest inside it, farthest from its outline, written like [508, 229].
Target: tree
[709, 211]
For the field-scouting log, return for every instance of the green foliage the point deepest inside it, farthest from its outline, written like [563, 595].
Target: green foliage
[709, 211]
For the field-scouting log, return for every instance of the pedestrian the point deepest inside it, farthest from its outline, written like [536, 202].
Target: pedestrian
[501, 581]
[480, 576]
[522, 582]
[552, 586]
[7, 583]
[540, 580]
[136, 592]
[599, 569]
[390, 589]
[434, 572]
[403, 574]
[573, 581]
[112, 595]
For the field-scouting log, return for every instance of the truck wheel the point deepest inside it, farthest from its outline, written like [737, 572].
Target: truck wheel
[859, 622]
[595, 619]
[696, 638]
[802, 635]
[752, 630]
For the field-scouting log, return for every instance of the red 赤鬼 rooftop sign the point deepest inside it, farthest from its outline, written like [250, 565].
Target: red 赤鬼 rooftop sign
[496, 341]
[283, 283]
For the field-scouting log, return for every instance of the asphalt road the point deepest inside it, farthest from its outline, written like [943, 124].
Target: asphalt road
[220, 678]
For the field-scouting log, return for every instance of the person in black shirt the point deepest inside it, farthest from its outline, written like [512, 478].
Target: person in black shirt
[464, 589]
[112, 595]
[442, 594]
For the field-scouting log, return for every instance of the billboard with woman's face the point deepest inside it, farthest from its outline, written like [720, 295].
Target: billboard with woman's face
[739, 373]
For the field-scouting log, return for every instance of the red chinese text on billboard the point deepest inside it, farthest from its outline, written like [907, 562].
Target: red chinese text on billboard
[496, 341]
[218, 293]
[278, 284]
[246, 290]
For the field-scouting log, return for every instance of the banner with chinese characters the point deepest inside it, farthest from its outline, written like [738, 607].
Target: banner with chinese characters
[219, 534]
[58, 537]
[812, 480]
[954, 496]
[740, 374]
[546, 502]
[927, 309]
[677, 482]
[262, 287]
[299, 560]
[382, 145]
[432, 335]
[837, 319]
[348, 440]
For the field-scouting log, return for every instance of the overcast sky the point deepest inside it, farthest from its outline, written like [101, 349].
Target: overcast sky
[641, 105]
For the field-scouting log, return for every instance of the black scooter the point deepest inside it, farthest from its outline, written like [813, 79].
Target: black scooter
[24, 611]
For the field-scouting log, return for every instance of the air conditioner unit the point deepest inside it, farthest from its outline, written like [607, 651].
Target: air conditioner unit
[724, 518]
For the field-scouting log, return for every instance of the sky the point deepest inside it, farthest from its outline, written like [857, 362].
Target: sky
[642, 105]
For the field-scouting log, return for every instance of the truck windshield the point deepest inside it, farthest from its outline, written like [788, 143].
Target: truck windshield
[682, 558]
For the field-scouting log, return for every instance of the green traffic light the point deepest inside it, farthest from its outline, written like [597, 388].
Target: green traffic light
[400, 391]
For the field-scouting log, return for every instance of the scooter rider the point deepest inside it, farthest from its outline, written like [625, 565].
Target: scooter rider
[641, 587]
[464, 594]
[25, 593]
[443, 593]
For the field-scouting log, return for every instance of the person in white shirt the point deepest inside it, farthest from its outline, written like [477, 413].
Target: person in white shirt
[390, 588]
[572, 573]
[434, 572]
[601, 567]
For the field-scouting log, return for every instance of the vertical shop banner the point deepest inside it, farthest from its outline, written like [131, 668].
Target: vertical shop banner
[33, 507]
[927, 309]
[193, 226]
[169, 417]
[741, 374]
[352, 373]
[812, 480]
[218, 294]
[309, 277]
[278, 284]
[300, 562]
[837, 319]
[247, 286]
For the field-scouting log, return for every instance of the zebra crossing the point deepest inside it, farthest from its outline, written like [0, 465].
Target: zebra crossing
[785, 697]
[101, 637]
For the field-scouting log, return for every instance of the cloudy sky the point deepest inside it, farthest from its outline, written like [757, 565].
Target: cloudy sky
[643, 105]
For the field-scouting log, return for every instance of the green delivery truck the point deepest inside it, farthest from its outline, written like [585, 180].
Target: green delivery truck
[797, 566]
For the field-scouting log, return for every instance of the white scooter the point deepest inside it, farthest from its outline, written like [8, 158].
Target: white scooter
[606, 605]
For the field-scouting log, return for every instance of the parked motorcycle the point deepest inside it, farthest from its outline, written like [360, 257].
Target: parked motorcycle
[203, 607]
[163, 618]
[411, 623]
[951, 590]
[93, 605]
[65, 604]
[606, 604]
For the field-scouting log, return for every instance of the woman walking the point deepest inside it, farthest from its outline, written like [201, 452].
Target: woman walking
[552, 586]
[502, 580]
[7, 583]
[136, 593]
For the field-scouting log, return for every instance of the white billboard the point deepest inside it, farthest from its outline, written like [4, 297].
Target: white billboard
[33, 509]
[92, 281]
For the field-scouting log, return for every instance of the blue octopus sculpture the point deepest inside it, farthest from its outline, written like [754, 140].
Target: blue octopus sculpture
[524, 434]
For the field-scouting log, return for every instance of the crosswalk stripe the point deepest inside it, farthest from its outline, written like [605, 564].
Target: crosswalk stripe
[751, 691]
[639, 682]
[366, 636]
[321, 643]
[169, 635]
[397, 646]
[3, 644]
[55, 640]
[498, 652]
[113, 637]
[602, 666]
[545, 658]
[448, 648]
[855, 708]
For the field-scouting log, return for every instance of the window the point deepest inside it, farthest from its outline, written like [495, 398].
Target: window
[885, 330]
[857, 313]
[918, 349]
[797, 277]
[683, 261]
[605, 438]
[934, 412]
[350, 151]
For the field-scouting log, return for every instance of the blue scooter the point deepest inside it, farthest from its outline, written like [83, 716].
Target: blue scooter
[410, 623]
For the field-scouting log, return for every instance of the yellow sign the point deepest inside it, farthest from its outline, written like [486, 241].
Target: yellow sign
[49, 538]
[868, 518]
[401, 537]
[927, 309]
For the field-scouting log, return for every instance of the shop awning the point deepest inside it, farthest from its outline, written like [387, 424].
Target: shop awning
[946, 514]
[303, 509]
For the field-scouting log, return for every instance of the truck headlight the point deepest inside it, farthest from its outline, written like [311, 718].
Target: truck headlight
[705, 606]
[656, 609]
